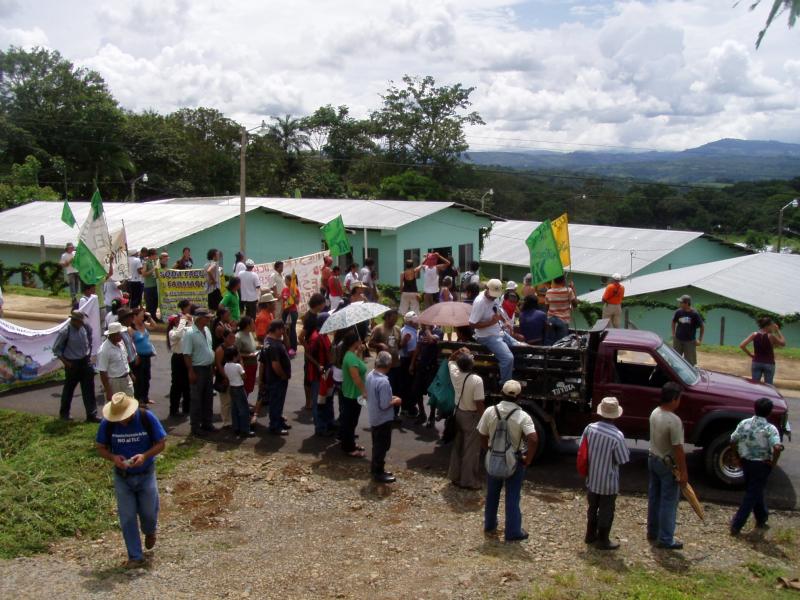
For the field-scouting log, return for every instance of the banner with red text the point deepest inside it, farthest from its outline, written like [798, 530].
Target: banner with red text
[307, 268]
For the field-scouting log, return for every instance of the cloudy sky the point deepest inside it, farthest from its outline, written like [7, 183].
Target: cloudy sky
[549, 74]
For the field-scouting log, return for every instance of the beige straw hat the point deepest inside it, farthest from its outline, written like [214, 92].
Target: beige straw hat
[120, 408]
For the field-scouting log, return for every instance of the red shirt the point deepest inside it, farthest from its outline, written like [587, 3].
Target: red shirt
[614, 293]
[285, 296]
[318, 348]
[263, 319]
[334, 286]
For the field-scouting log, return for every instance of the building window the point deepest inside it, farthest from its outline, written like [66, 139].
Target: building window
[412, 255]
[464, 256]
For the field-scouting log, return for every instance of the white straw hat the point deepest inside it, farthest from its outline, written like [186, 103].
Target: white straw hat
[120, 408]
[609, 408]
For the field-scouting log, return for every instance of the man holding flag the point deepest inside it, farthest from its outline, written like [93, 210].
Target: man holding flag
[94, 244]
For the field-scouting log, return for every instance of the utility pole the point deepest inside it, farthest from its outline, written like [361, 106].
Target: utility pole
[242, 176]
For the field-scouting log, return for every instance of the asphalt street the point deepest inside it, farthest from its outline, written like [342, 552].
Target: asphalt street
[414, 446]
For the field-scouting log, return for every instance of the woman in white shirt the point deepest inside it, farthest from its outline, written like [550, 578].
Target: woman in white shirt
[430, 277]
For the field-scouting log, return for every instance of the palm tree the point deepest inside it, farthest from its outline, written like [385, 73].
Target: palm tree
[289, 134]
[778, 7]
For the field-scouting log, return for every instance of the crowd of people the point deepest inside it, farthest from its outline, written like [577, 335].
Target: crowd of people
[242, 348]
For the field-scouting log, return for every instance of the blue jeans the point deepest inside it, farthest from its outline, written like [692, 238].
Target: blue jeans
[765, 369]
[240, 410]
[556, 329]
[756, 473]
[513, 492]
[276, 396]
[137, 500]
[500, 345]
[662, 501]
[322, 412]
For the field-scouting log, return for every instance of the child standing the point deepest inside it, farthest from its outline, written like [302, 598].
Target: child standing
[240, 411]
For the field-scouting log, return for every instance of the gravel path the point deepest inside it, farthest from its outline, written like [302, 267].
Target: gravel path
[239, 524]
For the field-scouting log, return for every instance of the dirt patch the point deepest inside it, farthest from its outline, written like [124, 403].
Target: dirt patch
[787, 372]
[326, 531]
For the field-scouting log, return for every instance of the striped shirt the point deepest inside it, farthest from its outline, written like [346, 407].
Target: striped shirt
[559, 302]
[607, 451]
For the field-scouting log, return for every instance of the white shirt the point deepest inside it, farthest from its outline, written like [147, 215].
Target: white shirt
[111, 318]
[251, 286]
[519, 423]
[176, 335]
[430, 280]
[366, 275]
[234, 372]
[84, 299]
[350, 279]
[238, 268]
[470, 383]
[134, 264]
[483, 309]
[68, 256]
[276, 281]
[113, 359]
[110, 292]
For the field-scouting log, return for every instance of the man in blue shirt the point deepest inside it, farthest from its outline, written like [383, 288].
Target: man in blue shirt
[380, 407]
[199, 359]
[756, 444]
[73, 347]
[131, 438]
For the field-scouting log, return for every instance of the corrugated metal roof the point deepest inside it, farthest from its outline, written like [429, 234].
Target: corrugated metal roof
[595, 249]
[145, 225]
[765, 280]
[358, 214]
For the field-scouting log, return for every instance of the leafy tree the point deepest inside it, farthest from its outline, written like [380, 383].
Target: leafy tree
[333, 133]
[424, 123]
[61, 114]
[211, 142]
[23, 185]
[756, 240]
[778, 7]
[411, 185]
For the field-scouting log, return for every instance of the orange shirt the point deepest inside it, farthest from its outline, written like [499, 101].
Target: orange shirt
[263, 319]
[614, 293]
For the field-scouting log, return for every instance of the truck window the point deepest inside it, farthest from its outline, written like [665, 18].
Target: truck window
[638, 368]
[685, 371]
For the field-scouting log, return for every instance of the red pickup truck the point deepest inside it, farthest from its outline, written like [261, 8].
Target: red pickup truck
[563, 386]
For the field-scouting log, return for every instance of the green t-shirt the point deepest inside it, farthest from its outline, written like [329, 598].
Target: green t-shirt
[350, 389]
[150, 280]
[231, 301]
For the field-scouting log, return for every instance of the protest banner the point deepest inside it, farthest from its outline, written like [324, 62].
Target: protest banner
[308, 270]
[119, 250]
[26, 355]
[176, 284]
[560, 227]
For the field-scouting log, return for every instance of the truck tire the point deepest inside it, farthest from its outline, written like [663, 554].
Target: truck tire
[545, 434]
[717, 457]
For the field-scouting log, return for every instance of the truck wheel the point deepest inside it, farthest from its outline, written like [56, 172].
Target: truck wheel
[718, 459]
[545, 434]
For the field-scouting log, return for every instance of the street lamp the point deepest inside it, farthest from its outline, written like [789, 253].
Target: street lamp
[794, 204]
[242, 178]
[142, 178]
[483, 198]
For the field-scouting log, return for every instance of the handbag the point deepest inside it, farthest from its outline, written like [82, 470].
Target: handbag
[582, 462]
[450, 425]
[220, 384]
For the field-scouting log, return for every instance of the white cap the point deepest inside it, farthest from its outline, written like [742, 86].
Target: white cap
[616, 277]
[512, 388]
[115, 327]
[511, 286]
[249, 263]
[410, 316]
[494, 287]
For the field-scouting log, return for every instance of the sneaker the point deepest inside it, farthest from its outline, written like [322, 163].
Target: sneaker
[149, 541]
[518, 538]
[675, 545]
[134, 564]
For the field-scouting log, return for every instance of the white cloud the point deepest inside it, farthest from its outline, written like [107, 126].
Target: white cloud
[661, 73]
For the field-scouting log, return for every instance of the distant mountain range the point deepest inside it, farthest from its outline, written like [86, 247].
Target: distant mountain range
[723, 161]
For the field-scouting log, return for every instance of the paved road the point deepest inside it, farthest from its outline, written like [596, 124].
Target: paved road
[413, 446]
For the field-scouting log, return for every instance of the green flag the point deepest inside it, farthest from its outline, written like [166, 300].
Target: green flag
[66, 215]
[336, 237]
[545, 260]
[97, 205]
[89, 268]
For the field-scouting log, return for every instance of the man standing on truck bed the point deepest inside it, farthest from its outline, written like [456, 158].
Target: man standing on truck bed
[666, 456]
[685, 323]
[485, 318]
[612, 301]
[561, 299]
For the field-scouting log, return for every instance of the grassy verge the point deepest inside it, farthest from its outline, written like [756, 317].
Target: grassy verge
[639, 584]
[53, 484]
[735, 351]
[21, 290]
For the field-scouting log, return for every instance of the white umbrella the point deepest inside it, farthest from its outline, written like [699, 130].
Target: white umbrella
[353, 314]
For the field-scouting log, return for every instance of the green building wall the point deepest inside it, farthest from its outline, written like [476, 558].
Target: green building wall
[13, 256]
[738, 325]
[698, 251]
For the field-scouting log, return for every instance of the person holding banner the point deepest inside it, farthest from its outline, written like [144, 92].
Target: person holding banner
[73, 347]
[289, 299]
[70, 271]
[561, 299]
[335, 291]
[213, 285]
[250, 288]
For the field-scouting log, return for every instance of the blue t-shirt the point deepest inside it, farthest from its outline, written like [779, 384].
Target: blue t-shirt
[132, 439]
[531, 324]
[144, 347]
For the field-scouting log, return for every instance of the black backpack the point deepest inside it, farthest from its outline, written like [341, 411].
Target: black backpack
[146, 423]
